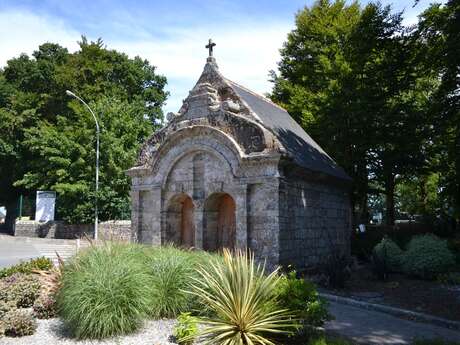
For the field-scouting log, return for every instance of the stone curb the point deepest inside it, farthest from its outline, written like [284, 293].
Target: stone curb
[398, 312]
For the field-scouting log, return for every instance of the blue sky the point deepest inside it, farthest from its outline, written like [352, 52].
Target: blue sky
[170, 34]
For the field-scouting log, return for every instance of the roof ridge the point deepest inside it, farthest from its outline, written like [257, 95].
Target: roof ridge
[256, 94]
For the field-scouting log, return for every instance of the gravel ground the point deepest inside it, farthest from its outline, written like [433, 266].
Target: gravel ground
[52, 332]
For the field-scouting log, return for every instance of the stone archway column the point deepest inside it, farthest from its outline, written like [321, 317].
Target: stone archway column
[199, 217]
[155, 216]
[239, 193]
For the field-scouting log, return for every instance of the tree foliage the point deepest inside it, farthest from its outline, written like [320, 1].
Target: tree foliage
[359, 82]
[50, 138]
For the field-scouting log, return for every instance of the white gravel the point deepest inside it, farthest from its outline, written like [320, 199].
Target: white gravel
[52, 332]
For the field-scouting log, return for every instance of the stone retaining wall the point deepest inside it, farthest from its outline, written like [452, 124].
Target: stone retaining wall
[110, 230]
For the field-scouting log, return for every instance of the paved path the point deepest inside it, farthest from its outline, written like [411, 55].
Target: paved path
[16, 249]
[372, 327]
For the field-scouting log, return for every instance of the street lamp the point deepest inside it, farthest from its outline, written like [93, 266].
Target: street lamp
[70, 93]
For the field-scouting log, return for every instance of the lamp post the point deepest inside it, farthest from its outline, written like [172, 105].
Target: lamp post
[70, 93]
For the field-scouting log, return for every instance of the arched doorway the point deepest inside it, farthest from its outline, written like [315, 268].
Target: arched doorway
[219, 228]
[180, 226]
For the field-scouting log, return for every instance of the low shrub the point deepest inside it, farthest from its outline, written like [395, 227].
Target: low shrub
[21, 288]
[172, 271]
[45, 306]
[451, 278]
[242, 299]
[336, 268]
[390, 253]
[51, 279]
[301, 299]
[186, 329]
[18, 323]
[106, 291]
[27, 267]
[427, 256]
[5, 307]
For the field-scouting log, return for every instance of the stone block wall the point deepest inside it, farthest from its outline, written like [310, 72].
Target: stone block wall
[315, 219]
[110, 230]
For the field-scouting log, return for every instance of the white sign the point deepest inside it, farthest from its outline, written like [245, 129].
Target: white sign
[44, 210]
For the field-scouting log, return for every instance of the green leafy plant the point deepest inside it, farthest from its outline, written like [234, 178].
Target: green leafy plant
[186, 329]
[301, 298]
[451, 278]
[6, 306]
[50, 279]
[390, 253]
[105, 291]
[172, 270]
[21, 288]
[45, 306]
[27, 267]
[427, 256]
[242, 300]
[18, 323]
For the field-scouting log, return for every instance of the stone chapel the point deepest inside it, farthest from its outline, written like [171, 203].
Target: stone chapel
[232, 169]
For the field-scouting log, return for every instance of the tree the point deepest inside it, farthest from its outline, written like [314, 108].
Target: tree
[439, 30]
[51, 137]
[350, 76]
[313, 72]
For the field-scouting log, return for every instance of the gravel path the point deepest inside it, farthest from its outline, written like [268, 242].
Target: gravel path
[52, 332]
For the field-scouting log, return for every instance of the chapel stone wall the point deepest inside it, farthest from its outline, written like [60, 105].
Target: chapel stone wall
[314, 220]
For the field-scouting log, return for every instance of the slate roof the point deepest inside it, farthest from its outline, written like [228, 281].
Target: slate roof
[299, 145]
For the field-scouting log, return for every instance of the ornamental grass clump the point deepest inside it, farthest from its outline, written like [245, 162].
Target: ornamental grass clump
[241, 298]
[105, 291]
[172, 271]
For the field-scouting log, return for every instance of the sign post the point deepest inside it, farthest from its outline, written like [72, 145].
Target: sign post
[45, 205]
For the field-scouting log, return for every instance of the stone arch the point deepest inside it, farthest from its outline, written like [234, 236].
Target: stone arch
[179, 221]
[194, 139]
[219, 222]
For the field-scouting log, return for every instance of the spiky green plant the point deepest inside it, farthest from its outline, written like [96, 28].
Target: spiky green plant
[240, 295]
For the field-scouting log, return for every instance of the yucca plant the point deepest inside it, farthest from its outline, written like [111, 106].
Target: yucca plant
[240, 297]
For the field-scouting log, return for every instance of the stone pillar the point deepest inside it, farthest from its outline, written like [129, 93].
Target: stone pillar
[135, 216]
[199, 217]
[241, 217]
[155, 218]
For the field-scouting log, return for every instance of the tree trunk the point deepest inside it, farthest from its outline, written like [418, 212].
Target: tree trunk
[11, 214]
[390, 200]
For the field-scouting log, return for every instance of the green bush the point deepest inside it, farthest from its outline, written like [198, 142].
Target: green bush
[451, 278]
[186, 329]
[27, 267]
[389, 253]
[106, 291]
[172, 271]
[21, 288]
[301, 299]
[45, 306]
[17, 323]
[427, 256]
[5, 307]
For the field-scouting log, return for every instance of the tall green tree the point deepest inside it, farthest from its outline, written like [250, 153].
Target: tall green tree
[50, 141]
[350, 77]
[439, 30]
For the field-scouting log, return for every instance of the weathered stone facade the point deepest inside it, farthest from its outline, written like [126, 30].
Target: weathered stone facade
[232, 169]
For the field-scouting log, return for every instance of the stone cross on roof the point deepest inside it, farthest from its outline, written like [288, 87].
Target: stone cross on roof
[210, 45]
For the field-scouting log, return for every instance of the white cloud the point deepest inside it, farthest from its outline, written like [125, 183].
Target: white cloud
[23, 32]
[245, 52]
